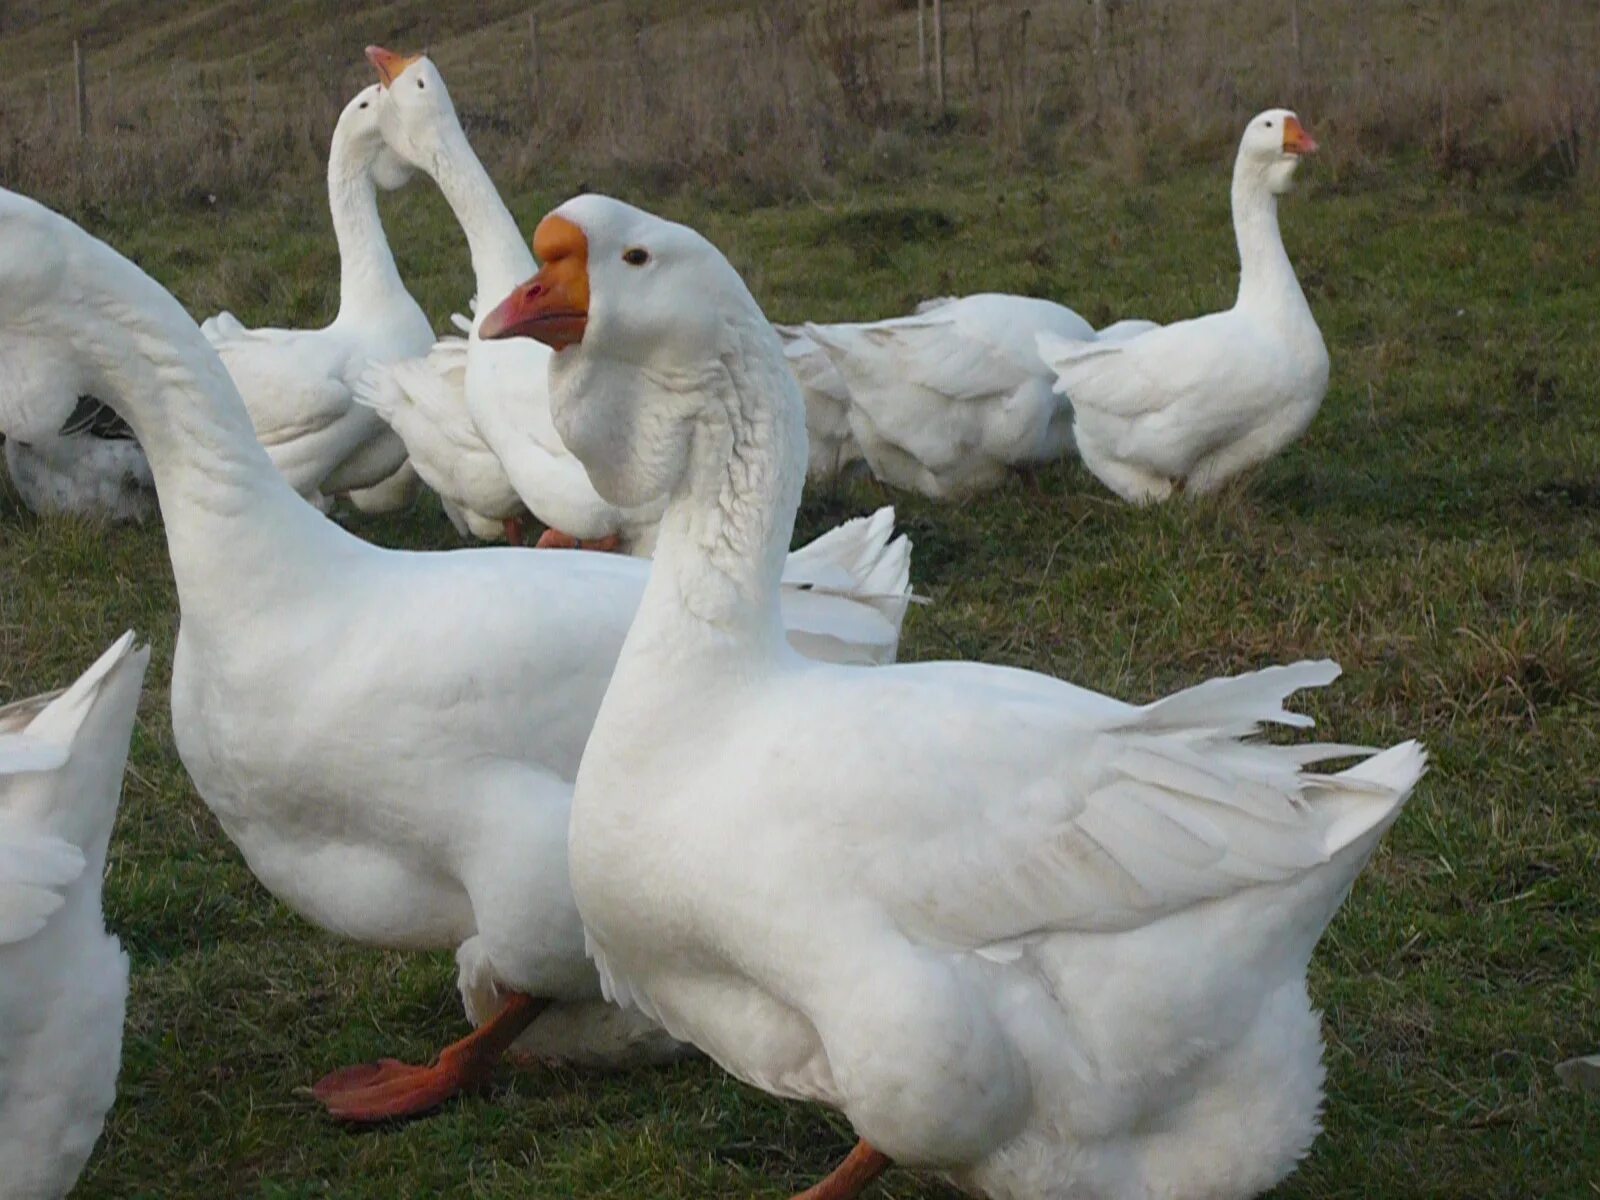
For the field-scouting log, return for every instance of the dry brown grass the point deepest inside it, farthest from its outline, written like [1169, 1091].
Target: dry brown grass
[787, 97]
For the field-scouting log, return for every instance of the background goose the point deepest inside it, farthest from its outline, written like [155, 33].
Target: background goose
[423, 400]
[89, 465]
[389, 737]
[63, 978]
[299, 384]
[505, 391]
[1190, 405]
[1035, 938]
[831, 446]
[943, 401]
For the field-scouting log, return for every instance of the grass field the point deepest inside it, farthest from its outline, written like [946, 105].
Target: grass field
[1437, 531]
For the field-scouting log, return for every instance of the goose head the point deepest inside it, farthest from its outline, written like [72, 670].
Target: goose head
[1271, 148]
[645, 316]
[416, 110]
[358, 139]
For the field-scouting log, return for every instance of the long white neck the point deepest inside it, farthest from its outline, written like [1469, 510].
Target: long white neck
[368, 277]
[237, 534]
[501, 258]
[1267, 284]
[725, 534]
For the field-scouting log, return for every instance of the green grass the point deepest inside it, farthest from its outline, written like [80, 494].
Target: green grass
[1438, 531]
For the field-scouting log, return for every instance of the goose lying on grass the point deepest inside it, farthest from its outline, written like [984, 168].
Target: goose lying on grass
[1037, 939]
[86, 464]
[1188, 406]
[389, 737]
[944, 401]
[299, 384]
[831, 446]
[63, 978]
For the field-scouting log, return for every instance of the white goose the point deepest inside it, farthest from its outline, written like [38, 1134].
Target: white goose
[85, 462]
[831, 446]
[944, 401]
[394, 777]
[63, 978]
[423, 400]
[1188, 406]
[299, 384]
[505, 382]
[1035, 938]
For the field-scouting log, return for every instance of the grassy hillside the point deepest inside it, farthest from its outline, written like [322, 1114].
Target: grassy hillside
[1437, 531]
[787, 98]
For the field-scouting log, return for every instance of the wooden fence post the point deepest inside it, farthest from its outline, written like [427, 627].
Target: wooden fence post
[922, 48]
[938, 54]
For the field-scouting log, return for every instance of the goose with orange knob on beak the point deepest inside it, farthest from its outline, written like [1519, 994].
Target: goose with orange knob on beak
[1039, 940]
[299, 385]
[1184, 408]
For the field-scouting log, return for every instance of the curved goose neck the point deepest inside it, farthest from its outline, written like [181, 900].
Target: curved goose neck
[1267, 282]
[725, 534]
[368, 276]
[500, 257]
[236, 532]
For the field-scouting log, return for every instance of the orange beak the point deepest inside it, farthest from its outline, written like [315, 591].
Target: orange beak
[1295, 138]
[553, 306]
[389, 64]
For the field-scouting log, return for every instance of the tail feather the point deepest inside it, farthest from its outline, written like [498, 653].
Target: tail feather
[848, 590]
[1369, 795]
[1238, 705]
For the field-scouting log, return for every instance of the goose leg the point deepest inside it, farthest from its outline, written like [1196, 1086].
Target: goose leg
[851, 1177]
[513, 527]
[390, 1089]
[554, 539]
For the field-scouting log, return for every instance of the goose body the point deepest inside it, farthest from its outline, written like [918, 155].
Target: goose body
[1190, 405]
[63, 978]
[505, 390]
[831, 445]
[393, 776]
[1046, 942]
[943, 401]
[299, 385]
[423, 401]
[88, 466]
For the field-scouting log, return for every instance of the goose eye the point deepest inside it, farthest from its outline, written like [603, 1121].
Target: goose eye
[1269, 124]
[421, 84]
[363, 104]
[636, 256]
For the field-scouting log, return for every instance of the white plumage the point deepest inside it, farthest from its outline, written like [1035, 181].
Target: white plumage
[1191, 405]
[299, 384]
[389, 737]
[63, 978]
[944, 401]
[1036, 938]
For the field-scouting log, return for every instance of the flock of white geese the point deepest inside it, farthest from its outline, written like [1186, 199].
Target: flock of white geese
[1037, 940]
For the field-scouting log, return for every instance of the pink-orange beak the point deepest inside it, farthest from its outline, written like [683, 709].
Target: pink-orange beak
[1295, 138]
[390, 66]
[553, 306]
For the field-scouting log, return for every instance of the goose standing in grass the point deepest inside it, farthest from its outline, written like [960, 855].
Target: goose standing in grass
[86, 463]
[63, 978]
[389, 737]
[505, 391]
[421, 399]
[1186, 407]
[942, 402]
[1037, 939]
[299, 384]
